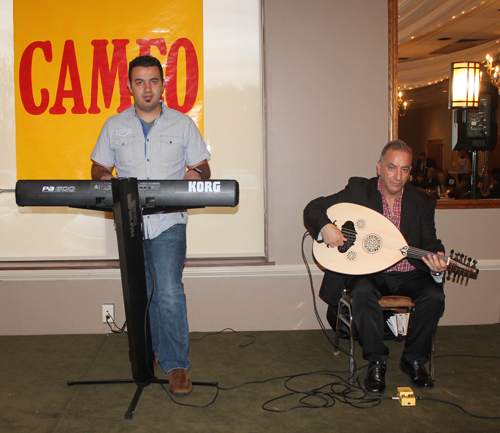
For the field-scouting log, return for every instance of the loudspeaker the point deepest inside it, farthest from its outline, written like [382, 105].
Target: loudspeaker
[477, 128]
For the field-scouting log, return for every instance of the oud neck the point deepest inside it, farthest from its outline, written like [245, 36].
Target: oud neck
[417, 253]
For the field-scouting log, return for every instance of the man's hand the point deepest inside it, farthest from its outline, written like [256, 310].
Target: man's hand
[332, 236]
[435, 263]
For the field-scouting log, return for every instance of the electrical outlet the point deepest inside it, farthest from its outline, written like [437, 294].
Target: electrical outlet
[108, 310]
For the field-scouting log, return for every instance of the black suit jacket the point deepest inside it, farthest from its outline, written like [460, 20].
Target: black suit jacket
[423, 166]
[417, 224]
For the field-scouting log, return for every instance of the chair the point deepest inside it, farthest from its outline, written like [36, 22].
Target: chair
[399, 304]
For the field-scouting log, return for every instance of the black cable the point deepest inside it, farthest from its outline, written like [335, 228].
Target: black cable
[315, 306]
[117, 330]
[469, 356]
[323, 397]
[228, 329]
[458, 407]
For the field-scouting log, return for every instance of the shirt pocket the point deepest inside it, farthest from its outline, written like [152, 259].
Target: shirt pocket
[124, 149]
[171, 148]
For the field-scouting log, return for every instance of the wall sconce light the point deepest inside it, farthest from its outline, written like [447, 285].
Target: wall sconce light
[402, 104]
[464, 84]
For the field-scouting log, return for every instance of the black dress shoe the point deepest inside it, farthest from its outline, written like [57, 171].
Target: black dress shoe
[375, 378]
[416, 373]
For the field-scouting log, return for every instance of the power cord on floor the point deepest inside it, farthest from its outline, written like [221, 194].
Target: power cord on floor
[458, 407]
[228, 329]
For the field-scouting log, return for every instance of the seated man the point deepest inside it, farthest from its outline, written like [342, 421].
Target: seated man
[495, 186]
[445, 180]
[420, 181]
[463, 190]
[432, 181]
[412, 212]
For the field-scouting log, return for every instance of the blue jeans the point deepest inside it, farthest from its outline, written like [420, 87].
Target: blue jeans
[164, 258]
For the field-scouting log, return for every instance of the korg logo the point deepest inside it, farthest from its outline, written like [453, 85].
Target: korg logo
[203, 186]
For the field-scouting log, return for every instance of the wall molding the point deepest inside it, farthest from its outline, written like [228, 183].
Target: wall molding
[189, 272]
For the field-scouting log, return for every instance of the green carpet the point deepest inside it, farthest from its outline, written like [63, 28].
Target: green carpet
[254, 394]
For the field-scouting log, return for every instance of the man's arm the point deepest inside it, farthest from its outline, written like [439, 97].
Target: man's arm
[194, 175]
[101, 172]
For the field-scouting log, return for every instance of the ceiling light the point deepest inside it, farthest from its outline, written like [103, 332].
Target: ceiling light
[493, 72]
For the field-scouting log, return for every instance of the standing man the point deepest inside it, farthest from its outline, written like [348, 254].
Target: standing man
[424, 163]
[412, 212]
[151, 141]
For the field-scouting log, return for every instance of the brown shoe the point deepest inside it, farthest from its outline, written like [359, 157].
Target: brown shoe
[180, 382]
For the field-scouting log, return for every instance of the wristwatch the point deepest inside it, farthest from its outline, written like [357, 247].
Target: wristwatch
[197, 170]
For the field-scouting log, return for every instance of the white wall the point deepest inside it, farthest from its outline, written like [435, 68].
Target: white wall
[326, 121]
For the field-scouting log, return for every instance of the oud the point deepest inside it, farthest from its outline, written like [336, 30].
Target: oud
[374, 243]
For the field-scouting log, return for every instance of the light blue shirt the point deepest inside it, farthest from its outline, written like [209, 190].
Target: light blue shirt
[172, 143]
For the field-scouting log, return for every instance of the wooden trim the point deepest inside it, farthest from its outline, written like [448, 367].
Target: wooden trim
[468, 204]
[393, 69]
[55, 265]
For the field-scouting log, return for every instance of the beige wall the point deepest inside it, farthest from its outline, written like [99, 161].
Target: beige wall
[326, 102]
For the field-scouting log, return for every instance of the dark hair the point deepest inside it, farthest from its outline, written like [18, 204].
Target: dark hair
[398, 145]
[145, 62]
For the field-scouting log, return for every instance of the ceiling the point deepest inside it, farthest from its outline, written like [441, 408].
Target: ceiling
[434, 33]
[467, 30]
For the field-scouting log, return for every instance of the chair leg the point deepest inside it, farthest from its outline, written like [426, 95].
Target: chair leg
[352, 345]
[433, 356]
[349, 323]
[337, 331]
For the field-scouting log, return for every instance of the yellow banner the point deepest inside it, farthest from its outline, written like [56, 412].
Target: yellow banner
[71, 73]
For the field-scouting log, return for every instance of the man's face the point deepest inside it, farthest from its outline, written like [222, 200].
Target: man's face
[394, 172]
[146, 87]
[441, 176]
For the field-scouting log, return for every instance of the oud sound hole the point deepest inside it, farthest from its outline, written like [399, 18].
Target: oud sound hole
[372, 243]
[351, 256]
[361, 223]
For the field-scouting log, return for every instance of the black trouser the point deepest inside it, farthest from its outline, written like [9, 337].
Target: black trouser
[427, 295]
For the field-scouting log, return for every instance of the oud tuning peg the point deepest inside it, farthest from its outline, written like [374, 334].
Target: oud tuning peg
[474, 263]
